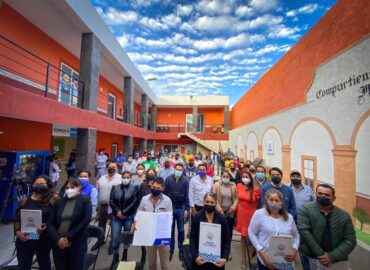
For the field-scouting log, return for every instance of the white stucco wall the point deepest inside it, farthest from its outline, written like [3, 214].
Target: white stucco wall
[272, 158]
[311, 139]
[240, 147]
[252, 144]
[363, 158]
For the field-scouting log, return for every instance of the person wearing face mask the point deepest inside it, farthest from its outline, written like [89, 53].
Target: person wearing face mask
[302, 193]
[227, 200]
[327, 232]
[68, 227]
[272, 219]
[253, 170]
[104, 186]
[124, 200]
[233, 173]
[149, 163]
[209, 170]
[248, 202]
[176, 159]
[139, 176]
[198, 186]
[101, 160]
[288, 196]
[88, 190]
[260, 178]
[166, 170]
[209, 215]
[129, 165]
[146, 185]
[43, 197]
[228, 160]
[176, 187]
[156, 201]
[190, 171]
[241, 166]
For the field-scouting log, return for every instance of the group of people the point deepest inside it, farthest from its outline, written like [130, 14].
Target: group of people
[247, 198]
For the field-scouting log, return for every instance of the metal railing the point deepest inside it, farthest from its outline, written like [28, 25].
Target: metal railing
[43, 78]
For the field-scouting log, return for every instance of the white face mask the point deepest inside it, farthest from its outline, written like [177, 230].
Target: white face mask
[246, 181]
[71, 192]
[125, 181]
[225, 180]
[140, 172]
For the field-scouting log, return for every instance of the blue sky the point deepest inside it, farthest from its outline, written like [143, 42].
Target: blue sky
[208, 47]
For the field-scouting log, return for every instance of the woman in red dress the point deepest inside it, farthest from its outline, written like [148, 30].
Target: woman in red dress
[248, 199]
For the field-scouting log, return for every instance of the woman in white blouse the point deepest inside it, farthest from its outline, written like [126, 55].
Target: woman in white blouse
[272, 219]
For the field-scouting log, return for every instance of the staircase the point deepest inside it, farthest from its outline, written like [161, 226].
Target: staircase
[212, 145]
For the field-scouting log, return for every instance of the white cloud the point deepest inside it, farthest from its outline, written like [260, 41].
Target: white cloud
[171, 20]
[215, 6]
[232, 42]
[282, 31]
[220, 23]
[184, 10]
[249, 61]
[140, 57]
[153, 23]
[244, 11]
[264, 5]
[272, 49]
[113, 16]
[152, 42]
[306, 9]
[265, 21]
[123, 40]
[184, 50]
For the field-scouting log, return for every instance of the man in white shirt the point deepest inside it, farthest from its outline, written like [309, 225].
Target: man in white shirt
[199, 185]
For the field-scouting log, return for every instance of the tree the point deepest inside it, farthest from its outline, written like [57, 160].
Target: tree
[361, 215]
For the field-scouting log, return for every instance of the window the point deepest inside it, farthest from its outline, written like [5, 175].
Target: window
[170, 148]
[199, 125]
[68, 85]
[111, 106]
[309, 170]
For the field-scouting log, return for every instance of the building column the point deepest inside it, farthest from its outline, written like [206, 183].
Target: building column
[85, 148]
[286, 161]
[226, 119]
[143, 145]
[89, 71]
[345, 176]
[153, 119]
[245, 152]
[128, 145]
[144, 111]
[89, 75]
[195, 118]
[260, 154]
[128, 100]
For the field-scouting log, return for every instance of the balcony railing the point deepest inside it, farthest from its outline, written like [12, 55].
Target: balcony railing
[24, 66]
[170, 128]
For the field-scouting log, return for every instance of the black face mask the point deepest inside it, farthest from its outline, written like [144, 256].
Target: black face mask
[167, 165]
[233, 169]
[148, 159]
[150, 177]
[247, 165]
[111, 171]
[209, 208]
[39, 189]
[324, 201]
[191, 164]
[296, 181]
[276, 179]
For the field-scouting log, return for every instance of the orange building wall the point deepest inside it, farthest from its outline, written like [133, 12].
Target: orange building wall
[105, 140]
[106, 88]
[286, 83]
[169, 116]
[24, 135]
[18, 29]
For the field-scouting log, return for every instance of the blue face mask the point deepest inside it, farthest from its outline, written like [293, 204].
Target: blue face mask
[83, 181]
[202, 174]
[260, 175]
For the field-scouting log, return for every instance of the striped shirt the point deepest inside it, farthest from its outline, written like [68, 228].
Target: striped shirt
[263, 226]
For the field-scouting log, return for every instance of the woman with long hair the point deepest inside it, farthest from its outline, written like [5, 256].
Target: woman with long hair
[248, 202]
[273, 219]
[27, 244]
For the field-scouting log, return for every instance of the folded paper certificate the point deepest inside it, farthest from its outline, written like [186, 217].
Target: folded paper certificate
[279, 246]
[315, 265]
[30, 220]
[210, 241]
[152, 229]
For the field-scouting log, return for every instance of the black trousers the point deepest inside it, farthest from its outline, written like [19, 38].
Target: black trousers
[27, 249]
[71, 258]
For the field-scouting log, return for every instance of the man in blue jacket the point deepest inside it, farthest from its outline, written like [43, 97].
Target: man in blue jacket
[288, 196]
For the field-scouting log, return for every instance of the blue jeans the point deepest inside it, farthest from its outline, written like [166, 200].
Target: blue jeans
[117, 225]
[178, 217]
